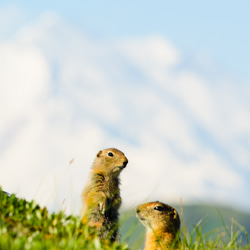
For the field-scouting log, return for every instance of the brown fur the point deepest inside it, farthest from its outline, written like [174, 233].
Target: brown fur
[162, 223]
[101, 196]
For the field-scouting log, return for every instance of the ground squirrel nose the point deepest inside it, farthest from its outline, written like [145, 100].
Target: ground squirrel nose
[137, 210]
[125, 163]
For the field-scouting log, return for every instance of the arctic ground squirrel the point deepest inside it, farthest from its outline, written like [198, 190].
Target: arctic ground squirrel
[162, 224]
[101, 196]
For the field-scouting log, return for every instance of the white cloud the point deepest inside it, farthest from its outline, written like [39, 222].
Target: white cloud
[196, 96]
[72, 95]
[9, 20]
[154, 55]
[151, 52]
[24, 80]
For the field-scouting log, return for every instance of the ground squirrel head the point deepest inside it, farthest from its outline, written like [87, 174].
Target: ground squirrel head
[110, 161]
[158, 217]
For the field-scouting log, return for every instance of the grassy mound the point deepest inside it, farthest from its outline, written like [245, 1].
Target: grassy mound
[24, 225]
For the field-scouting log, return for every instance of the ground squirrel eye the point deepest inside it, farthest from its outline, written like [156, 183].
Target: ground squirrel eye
[159, 208]
[110, 154]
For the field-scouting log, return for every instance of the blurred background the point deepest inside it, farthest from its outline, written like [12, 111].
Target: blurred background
[166, 82]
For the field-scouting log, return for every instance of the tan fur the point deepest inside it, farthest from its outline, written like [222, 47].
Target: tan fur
[101, 196]
[162, 223]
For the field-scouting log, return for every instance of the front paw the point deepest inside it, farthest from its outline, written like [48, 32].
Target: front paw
[102, 208]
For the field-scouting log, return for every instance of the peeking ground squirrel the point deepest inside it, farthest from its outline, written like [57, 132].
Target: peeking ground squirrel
[162, 223]
[101, 196]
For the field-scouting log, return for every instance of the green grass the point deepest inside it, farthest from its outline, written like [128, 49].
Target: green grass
[219, 238]
[24, 225]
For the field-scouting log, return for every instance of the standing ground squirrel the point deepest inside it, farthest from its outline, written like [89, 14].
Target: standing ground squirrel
[162, 223]
[101, 196]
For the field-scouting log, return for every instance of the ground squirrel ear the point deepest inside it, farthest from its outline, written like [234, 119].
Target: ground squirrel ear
[99, 153]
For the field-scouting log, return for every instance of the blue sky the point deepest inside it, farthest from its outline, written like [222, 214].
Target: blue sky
[218, 30]
[166, 82]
